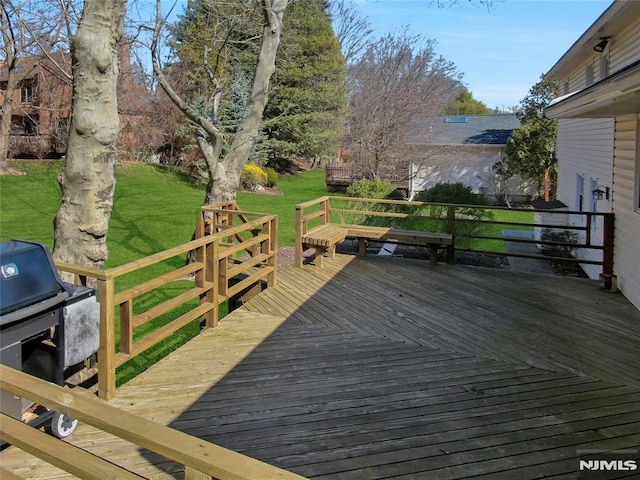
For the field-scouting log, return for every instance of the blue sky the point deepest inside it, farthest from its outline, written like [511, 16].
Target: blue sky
[503, 51]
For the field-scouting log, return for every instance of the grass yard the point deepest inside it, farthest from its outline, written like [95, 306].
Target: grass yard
[155, 208]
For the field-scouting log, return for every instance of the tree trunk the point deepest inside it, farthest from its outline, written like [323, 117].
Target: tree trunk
[224, 176]
[6, 109]
[547, 184]
[5, 130]
[88, 180]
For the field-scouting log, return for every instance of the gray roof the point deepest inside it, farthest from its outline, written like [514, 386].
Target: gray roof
[462, 130]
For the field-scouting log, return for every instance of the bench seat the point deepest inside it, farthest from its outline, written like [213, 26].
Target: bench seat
[324, 238]
[432, 240]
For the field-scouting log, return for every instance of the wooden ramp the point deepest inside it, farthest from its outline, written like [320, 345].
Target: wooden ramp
[386, 368]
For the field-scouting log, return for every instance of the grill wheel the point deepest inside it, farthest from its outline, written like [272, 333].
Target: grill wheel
[62, 426]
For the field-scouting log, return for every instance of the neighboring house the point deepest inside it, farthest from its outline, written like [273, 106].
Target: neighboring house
[42, 108]
[464, 149]
[41, 105]
[598, 116]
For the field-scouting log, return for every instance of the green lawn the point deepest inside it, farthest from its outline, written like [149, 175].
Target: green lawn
[155, 208]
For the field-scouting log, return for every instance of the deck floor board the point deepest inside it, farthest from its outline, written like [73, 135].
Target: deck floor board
[389, 368]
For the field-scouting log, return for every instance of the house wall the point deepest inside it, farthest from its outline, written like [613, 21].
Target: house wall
[626, 180]
[585, 152]
[621, 51]
[471, 166]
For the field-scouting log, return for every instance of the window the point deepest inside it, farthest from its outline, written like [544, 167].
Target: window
[589, 74]
[592, 189]
[27, 93]
[604, 65]
[30, 126]
[580, 193]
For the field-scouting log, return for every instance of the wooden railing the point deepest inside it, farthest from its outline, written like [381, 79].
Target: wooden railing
[217, 271]
[339, 176]
[456, 219]
[201, 460]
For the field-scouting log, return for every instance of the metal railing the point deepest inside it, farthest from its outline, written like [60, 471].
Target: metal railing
[468, 222]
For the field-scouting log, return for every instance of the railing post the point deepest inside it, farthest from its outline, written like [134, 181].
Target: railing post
[106, 350]
[126, 326]
[210, 262]
[272, 278]
[299, 232]
[607, 254]
[326, 208]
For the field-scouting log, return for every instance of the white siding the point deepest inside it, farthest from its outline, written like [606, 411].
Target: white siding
[470, 166]
[627, 230]
[622, 51]
[624, 47]
[585, 150]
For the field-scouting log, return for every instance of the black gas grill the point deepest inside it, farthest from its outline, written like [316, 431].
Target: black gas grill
[46, 325]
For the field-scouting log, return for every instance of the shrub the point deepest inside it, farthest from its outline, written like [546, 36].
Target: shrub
[451, 193]
[457, 193]
[252, 176]
[272, 177]
[374, 188]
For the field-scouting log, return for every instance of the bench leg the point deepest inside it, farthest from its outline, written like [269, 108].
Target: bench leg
[450, 255]
[433, 253]
[331, 252]
[319, 256]
[362, 247]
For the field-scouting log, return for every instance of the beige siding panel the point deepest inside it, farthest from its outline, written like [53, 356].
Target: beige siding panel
[627, 235]
[585, 148]
[623, 51]
[625, 47]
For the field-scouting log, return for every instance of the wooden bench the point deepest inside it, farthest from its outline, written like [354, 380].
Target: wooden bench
[432, 240]
[324, 238]
[325, 234]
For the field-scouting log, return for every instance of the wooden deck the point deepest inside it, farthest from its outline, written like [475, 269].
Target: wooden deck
[389, 368]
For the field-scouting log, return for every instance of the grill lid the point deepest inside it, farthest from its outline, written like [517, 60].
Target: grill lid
[29, 280]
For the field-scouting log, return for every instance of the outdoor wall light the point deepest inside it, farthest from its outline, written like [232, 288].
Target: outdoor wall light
[602, 44]
[599, 194]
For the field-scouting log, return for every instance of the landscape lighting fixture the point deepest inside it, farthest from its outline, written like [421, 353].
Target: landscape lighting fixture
[602, 44]
[599, 194]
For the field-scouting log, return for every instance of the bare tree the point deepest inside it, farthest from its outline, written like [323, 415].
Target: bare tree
[353, 30]
[224, 172]
[87, 180]
[397, 78]
[9, 65]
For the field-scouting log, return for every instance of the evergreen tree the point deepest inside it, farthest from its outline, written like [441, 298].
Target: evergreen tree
[531, 150]
[306, 108]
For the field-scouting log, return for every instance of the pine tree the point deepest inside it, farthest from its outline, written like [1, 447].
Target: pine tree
[306, 108]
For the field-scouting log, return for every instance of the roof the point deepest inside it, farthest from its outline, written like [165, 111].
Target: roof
[28, 68]
[462, 130]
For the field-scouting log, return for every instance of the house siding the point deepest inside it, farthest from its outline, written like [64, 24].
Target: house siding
[585, 151]
[624, 48]
[621, 52]
[627, 227]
